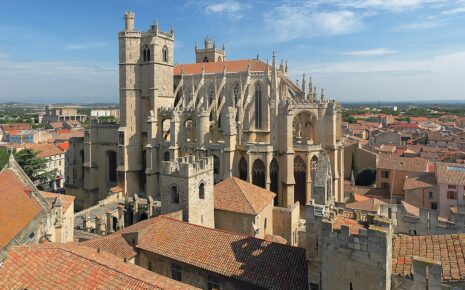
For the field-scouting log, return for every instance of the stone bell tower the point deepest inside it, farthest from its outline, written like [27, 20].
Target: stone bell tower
[209, 53]
[146, 84]
[187, 186]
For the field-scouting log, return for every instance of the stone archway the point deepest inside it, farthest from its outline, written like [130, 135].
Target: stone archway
[300, 176]
[303, 128]
[258, 173]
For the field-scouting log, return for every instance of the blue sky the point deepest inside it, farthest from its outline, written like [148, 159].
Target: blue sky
[387, 50]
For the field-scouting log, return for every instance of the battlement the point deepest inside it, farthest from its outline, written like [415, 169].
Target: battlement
[424, 222]
[187, 166]
[341, 231]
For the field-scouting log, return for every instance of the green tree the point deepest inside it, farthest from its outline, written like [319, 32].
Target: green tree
[35, 167]
[3, 156]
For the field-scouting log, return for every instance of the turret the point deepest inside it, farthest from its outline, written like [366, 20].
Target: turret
[129, 21]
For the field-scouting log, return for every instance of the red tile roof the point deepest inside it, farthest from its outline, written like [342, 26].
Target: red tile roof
[413, 164]
[450, 173]
[118, 243]
[16, 126]
[218, 67]
[448, 249]
[354, 226]
[371, 204]
[44, 150]
[68, 266]
[236, 195]
[422, 181]
[66, 200]
[17, 207]
[255, 261]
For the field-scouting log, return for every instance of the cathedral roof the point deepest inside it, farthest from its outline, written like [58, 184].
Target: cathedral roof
[232, 66]
[236, 195]
[48, 266]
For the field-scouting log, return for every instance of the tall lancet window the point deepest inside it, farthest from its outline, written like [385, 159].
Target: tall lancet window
[165, 54]
[258, 106]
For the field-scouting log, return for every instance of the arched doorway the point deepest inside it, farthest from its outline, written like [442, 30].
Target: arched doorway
[300, 176]
[258, 173]
[111, 168]
[243, 169]
[274, 176]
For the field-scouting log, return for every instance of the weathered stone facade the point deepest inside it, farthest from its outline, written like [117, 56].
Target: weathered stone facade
[256, 123]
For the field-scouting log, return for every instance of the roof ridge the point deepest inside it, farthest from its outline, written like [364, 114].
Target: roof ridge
[245, 196]
[219, 230]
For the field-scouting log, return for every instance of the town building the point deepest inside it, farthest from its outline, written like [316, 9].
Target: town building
[55, 114]
[28, 216]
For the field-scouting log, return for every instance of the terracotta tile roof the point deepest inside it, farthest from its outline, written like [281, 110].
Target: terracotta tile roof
[63, 146]
[68, 266]
[275, 239]
[353, 225]
[232, 66]
[422, 181]
[410, 209]
[68, 135]
[450, 173]
[448, 249]
[16, 126]
[44, 150]
[371, 204]
[17, 207]
[66, 200]
[56, 125]
[255, 261]
[236, 195]
[413, 164]
[116, 189]
[118, 243]
[369, 191]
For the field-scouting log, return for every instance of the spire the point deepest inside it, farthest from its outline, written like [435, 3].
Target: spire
[285, 68]
[310, 92]
[297, 82]
[258, 57]
[315, 94]
[304, 84]
[222, 47]
[155, 25]
[273, 62]
[171, 30]
[322, 97]
[214, 43]
[196, 47]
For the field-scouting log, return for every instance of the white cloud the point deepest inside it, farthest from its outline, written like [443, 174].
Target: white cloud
[232, 9]
[292, 22]
[88, 45]
[458, 10]
[383, 4]
[418, 25]
[370, 52]
[437, 77]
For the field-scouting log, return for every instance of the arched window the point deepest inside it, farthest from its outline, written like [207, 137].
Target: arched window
[216, 165]
[148, 54]
[274, 176]
[300, 176]
[243, 169]
[219, 58]
[166, 156]
[165, 54]
[258, 173]
[237, 94]
[202, 191]
[174, 194]
[258, 106]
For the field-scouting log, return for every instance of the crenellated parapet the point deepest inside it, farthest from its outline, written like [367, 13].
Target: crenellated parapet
[187, 166]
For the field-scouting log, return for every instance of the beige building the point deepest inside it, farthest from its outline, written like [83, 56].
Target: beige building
[61, 114]
[248, 115]
[241, 207]
[28, 216]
